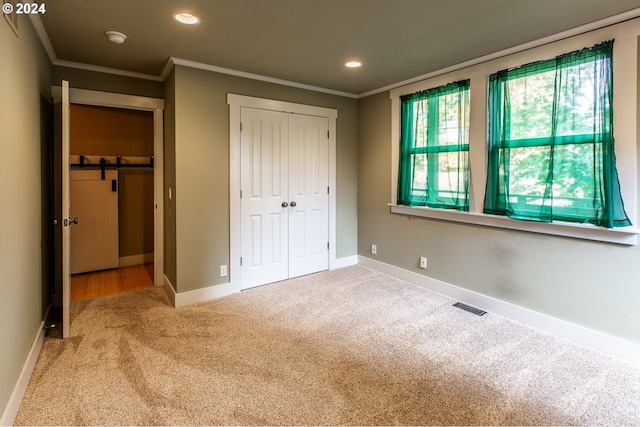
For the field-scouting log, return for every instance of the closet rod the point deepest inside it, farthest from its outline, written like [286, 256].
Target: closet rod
[103, 165]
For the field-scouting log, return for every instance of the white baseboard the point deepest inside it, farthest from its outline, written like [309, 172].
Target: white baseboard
[13, 405]
[344, 262]
[198, 295]
[579, 334]
[128, 261]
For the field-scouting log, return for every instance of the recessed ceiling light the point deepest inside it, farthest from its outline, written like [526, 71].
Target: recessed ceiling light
[353, 64]
[186, 18]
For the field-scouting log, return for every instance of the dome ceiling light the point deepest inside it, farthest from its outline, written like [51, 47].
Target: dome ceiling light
[353, 64]
[116, 37]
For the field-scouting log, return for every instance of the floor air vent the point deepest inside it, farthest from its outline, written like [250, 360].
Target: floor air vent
[470, 309]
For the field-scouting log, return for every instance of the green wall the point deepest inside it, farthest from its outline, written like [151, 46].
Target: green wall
[201, 192]
[26, 74]
[596, 285]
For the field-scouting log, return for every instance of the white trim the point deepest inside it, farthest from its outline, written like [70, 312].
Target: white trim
[612, 20]
[158, 194]
[252, 76]
[198, 295]
[106, 70]
[43, 36]
[167, 69]
[623, 235]
[13, 405]
[288, 107]
[344, 262]
[579, 334]
[111, 99]
[127, 261]
[205, 294]
[236, 102]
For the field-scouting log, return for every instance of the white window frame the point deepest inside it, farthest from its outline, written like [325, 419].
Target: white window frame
[625, 107]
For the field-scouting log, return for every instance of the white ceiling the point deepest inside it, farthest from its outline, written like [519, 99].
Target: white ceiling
[308, 41]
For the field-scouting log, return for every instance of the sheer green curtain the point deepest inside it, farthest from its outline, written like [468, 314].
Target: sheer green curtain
[434, 148]
[550, 136]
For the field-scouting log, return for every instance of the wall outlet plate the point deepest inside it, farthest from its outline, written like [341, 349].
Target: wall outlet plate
[423, 262]
[374, 249]
[223, 271]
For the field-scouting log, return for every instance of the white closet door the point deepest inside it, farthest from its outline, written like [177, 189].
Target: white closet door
[308, 191]
[94, 239]
[285, 202]
[264, 184]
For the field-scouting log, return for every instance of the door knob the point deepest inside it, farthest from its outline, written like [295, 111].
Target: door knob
[70, 221]
[293, 204]
[285, 204]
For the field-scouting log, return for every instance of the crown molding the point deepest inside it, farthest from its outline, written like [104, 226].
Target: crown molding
[106, 70]
[252, 76]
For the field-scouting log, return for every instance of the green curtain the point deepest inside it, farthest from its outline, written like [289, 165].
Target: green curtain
[550, 141]
[434, 148]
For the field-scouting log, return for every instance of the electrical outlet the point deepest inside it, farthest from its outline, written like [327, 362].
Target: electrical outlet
[223, 271]
[374, 249]
[423, 262]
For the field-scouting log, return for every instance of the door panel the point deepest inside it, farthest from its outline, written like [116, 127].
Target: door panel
[309, 176]
[264, 183]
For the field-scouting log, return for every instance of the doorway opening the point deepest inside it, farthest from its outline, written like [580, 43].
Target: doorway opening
[62, 223]
[112, 194]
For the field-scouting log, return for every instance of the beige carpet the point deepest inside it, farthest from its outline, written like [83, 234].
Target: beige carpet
[350, 346]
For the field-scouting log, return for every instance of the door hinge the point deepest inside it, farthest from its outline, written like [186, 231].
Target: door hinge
[240, 126]
[327, 245]
[241, 194]
[327, 134]
[240, 261]
[327, 190]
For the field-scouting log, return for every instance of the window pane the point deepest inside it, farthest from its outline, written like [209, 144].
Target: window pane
[531, 101]
[528, 172]
[452, 169]
[419, 182]
[453, 119]
[420, 115]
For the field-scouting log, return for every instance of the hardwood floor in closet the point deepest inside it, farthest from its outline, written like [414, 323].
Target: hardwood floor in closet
[108, 282]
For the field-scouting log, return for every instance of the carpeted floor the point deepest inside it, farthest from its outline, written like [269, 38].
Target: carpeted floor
[345, 347]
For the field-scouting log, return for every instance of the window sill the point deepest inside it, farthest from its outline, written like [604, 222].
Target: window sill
[622, 236]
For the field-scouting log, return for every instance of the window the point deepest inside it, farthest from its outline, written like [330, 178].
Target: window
[434, 148]
[550, 138]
